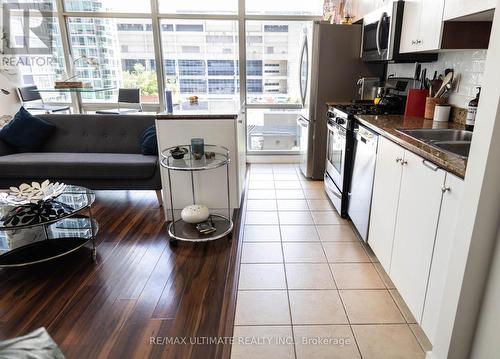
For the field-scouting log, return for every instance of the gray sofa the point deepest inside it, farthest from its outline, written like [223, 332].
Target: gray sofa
[100, 152]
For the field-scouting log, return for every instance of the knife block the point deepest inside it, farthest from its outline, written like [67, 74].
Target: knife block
[415, 102]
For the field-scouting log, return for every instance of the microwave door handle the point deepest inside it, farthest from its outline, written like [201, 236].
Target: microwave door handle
[379, 25]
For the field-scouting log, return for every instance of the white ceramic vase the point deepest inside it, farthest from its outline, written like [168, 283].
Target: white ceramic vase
[195, 213]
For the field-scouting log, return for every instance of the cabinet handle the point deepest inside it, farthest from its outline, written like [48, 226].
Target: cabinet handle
[404, 163]
[445, 189]
[419, 42]
[413, 42]
[430, 165]
[399, 159]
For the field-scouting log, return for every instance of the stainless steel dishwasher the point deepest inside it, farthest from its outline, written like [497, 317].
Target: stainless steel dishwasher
[363, 172]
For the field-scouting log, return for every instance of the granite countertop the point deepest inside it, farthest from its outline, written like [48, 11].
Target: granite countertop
[202, 110]
[386, 126]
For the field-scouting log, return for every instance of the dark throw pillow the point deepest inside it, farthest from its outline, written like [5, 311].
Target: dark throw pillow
[149, 144]
[26, 133]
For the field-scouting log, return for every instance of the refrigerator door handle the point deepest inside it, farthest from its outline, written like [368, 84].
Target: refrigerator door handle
[304, 51]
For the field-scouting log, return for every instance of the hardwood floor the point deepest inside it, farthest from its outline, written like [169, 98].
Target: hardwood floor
[140, 288]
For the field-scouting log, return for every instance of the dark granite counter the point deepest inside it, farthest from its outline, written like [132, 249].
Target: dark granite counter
[386, 126]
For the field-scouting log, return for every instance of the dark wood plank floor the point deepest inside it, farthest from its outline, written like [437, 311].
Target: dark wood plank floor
[139, 288]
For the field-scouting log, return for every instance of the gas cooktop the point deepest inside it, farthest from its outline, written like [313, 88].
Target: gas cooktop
[367, 108]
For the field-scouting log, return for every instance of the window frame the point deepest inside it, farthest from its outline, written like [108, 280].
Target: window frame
[156, 17]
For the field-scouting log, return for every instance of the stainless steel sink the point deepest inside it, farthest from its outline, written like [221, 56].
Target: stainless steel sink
[432, 135]
[450, 140]
[461, 148]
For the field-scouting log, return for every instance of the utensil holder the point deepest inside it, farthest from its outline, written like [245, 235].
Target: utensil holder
[430, 105]
[442, 113]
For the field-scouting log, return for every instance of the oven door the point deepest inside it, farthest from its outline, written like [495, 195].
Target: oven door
[335, 154]
[376, 37]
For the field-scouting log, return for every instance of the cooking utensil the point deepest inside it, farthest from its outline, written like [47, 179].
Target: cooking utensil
[446, 89]
[423, 78]
[447, 80]
[416, 75]
[436, 84]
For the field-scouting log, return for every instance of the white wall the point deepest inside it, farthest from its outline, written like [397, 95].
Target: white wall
[469, 64]
[486, 343]
[476, 234]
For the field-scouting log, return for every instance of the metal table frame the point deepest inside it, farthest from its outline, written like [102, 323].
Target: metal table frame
[166, 163]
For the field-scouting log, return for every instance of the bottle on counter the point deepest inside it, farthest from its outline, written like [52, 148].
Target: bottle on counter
[471, 112]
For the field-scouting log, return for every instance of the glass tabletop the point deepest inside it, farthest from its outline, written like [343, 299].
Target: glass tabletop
[213, 157]
[75, 89]
[71, 201]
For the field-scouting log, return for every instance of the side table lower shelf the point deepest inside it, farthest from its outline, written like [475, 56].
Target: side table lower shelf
[183, 231]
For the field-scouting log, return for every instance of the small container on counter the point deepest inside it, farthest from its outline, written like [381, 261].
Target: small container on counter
[442, 113]
[430, 105]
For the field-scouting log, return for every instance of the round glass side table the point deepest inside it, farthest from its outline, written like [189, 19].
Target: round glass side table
[179, 229]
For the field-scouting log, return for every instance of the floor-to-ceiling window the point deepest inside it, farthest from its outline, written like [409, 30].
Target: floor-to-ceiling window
[227, 52]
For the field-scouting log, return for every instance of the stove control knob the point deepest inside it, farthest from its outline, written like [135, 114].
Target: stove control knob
[330, 114]
[340, 121]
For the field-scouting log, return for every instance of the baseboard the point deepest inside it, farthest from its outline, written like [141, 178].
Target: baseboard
[273, 158]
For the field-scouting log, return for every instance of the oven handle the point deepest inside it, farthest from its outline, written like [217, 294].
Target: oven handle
[339, 130]
[379, 25]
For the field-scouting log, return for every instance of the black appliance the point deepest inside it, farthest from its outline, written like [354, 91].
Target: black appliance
[382, 35]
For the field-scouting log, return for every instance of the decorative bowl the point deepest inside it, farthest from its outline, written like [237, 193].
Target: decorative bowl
[34, 193]
[178, 153]
[195, 213]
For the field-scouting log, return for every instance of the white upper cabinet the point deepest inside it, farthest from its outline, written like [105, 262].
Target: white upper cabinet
[458, 8]
[422, 25]
[385, 200]
[417, 219]
[363, 7]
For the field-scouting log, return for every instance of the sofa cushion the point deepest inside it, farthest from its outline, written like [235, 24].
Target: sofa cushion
[26, 132]
[60, 166]
[149, 143]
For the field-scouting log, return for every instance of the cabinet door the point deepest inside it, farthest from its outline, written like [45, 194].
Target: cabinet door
[445, 240]
[364, 7]
[417, 219]
[431, 23]
[411, 26]
[458, 8]
[385, 200]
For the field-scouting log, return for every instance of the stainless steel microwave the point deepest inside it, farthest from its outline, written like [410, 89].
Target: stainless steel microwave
[382, 35]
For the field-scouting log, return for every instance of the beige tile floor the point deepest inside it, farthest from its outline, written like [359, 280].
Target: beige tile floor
[308, 288]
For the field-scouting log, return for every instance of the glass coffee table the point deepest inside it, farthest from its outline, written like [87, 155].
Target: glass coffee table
[34, 234]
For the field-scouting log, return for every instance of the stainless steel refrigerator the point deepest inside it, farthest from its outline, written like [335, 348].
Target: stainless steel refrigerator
[330, 66]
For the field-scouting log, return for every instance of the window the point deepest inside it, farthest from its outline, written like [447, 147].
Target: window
[202, 60]
[36, 69]
[272, 130]
[284, 7]
[254, 86]
[123, 56]
[137, 6]
[191, 67]
[224, 7]
[221, 86]
[277, 66]
[190, 86]
[221, 67]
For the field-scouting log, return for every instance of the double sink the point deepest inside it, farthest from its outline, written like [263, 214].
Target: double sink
[452, 141]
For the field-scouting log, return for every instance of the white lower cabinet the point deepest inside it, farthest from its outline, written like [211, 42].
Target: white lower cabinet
[450, 206]
[414, 214]
[417, 219]
[385, 200]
